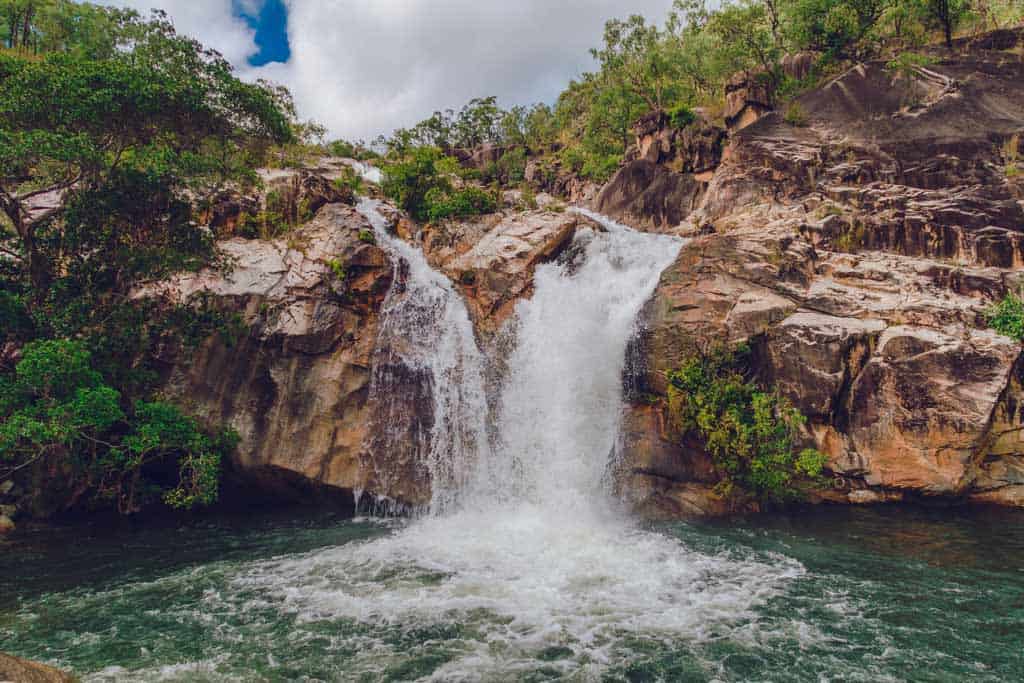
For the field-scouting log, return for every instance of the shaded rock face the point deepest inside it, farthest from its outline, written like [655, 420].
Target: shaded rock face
[296, 385]
[856, 255]
[666, 173]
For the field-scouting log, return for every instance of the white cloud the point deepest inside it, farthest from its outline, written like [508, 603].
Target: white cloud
[364, 67]
[210, 21]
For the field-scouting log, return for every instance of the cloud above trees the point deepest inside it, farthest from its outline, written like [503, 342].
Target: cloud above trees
[365, 67]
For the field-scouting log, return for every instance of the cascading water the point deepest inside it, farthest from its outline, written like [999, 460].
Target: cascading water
[367, 172]
[426, 337]
[525, 550]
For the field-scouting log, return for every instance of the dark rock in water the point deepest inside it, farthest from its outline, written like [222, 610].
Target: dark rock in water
[16, 670]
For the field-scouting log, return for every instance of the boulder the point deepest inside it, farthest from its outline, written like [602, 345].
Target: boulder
[493, 258]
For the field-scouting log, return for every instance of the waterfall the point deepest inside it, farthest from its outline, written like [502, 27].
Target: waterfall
[561, 401]
[426, 338]
[368, 172]
[525, 560]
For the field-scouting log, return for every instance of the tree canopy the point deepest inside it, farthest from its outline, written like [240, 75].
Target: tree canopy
[114, 129]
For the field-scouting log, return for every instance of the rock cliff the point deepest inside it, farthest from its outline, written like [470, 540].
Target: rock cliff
[855, 248]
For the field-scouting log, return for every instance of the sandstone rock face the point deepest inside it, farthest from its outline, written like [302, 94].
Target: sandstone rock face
[493, 258]
[856, 255]
[22, 671]
[296, 384]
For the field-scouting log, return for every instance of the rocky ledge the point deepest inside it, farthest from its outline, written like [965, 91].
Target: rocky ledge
[855, 248]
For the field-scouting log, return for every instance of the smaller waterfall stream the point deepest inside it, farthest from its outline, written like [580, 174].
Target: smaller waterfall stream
[426, 337]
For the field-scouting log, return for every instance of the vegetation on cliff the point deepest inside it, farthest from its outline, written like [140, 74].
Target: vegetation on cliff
[752, 434]
[114, 130]
[676, 68]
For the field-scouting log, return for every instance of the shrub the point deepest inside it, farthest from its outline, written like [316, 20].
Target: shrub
[795, 115]
[468, 201]
[1011, 154]
[906, 63]
[350, 180]
[751, 434]
[57, 411]
[680, 116]
[408, 181]
[511, 167]
[1007, 317]
[367, 236]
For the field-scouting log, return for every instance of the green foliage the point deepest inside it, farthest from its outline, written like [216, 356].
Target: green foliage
[350, 180]
[906, 63]
[367, 237]
[751, 434]
[338, 268]
[795, 115]
[680, 116]
[511, 166]
[56, 411]
[408, 181]
[835, 27]
[1011, 155]
[467, 201]
[1007, 317]
[351, 150]
[126, 126]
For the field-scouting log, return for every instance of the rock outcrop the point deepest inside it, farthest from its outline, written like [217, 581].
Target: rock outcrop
[665, 175]
[856, 254]
[295, 384]
[14, 670]
[493, 258]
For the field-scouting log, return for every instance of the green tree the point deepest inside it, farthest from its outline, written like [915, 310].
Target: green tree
[56, 410]
[70, 124]
[946, 14]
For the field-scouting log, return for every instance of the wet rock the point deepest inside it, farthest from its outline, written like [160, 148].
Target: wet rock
[6, 525]
[493, 259]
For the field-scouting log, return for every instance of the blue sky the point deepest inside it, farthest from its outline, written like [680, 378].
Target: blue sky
[363, 67]
[270, 21]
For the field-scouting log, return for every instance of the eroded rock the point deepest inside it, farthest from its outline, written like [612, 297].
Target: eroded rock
[856, 255]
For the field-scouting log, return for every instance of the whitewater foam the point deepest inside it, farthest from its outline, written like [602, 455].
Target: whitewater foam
[526, 546]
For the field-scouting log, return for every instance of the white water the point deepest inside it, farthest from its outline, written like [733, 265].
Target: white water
[526, 548]
[425, 328]
[368, 172]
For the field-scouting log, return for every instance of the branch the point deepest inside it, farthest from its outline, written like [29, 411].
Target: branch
[53, 188]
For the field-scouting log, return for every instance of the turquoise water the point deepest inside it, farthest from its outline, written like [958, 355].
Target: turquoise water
[827, 594]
